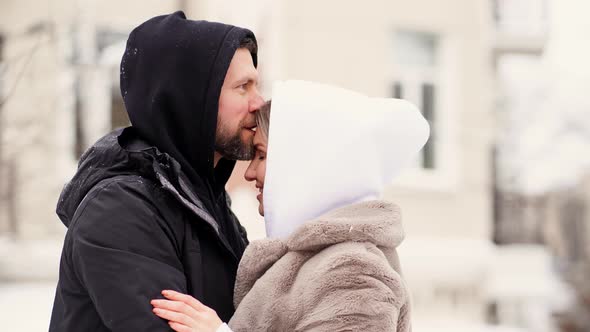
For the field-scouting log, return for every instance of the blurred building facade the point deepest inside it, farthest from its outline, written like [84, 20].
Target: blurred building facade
[567, 234]
[60, 92]
[540, 193]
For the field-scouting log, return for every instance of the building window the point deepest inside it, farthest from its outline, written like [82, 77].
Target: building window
[416, 78]
[572, 215]
[79, 137]
[521, 17]
[428, 97]
[3, 68]
[1, 48]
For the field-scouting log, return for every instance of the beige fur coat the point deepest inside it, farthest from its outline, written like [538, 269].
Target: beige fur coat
[339, 272]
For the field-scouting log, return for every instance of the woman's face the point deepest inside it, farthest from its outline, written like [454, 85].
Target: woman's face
[257, 168]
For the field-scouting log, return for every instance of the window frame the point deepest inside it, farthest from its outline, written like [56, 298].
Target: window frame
[444, 176]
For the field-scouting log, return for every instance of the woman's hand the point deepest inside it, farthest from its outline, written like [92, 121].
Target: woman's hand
[185, 313]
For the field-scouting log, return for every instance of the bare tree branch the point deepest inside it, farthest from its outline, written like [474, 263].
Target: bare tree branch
[20, 74]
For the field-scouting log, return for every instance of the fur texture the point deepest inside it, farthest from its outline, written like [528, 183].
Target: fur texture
[339, 272]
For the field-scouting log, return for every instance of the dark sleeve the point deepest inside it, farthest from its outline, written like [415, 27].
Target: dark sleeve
[125, 254]
[232, 215]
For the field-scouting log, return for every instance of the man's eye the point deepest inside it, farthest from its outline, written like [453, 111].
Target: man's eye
[261, 157]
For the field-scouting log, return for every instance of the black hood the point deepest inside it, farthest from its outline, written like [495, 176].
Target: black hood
[171, 77]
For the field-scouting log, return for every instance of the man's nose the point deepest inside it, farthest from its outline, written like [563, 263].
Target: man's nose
[256, 103]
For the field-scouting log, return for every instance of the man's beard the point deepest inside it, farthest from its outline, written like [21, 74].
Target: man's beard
[231, 146]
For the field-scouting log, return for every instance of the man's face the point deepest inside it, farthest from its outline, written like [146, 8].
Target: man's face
[238, 101]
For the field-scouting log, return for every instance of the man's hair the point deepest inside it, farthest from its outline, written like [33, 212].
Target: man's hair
[263, 119]
[249, 44]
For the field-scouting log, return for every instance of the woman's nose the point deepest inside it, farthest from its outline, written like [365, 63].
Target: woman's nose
[250, 174]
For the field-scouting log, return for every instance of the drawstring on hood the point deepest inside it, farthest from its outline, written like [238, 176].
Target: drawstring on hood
[329, 147]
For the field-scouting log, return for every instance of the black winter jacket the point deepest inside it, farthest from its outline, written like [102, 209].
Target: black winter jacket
[146, 210]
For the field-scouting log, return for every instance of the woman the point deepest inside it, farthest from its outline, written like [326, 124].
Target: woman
[330, 261]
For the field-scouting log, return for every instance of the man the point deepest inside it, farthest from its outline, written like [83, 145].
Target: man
[147, 209]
